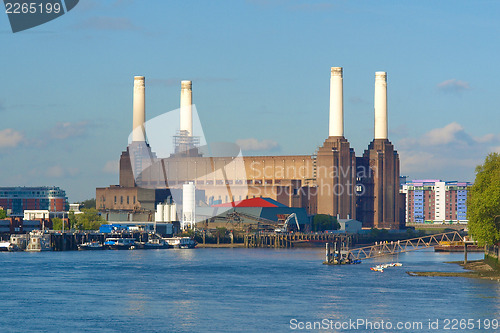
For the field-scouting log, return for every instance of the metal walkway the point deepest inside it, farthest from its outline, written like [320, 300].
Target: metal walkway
[387, 248]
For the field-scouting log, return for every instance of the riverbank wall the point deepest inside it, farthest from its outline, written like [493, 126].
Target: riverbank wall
[491, 255]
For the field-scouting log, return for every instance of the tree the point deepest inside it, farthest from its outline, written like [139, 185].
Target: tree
[483, 202]
[89, 219]
[323, 222]
[56, 223]
[220, 233]
[72, 219]
[90, 203]
[3, 214]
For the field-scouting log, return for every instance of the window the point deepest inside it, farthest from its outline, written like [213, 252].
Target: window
[121, 199]
[115, 199]
[134, 199]
[128, 200]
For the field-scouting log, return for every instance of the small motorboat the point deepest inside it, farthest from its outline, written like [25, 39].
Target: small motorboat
[154, 243]
[181, 242]
[8, 246]
[378, 268]
[90, 246]
[120, 243]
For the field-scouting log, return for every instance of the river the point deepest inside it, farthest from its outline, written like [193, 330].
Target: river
[237, 290]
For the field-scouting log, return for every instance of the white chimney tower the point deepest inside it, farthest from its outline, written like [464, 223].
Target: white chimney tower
[186, 109]
[381, 105]
[336, 127]
[139, 107]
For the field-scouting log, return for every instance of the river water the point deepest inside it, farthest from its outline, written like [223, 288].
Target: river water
[237, 290]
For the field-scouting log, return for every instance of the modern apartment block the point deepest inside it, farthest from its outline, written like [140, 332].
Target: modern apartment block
[19, 199]
[436, 201]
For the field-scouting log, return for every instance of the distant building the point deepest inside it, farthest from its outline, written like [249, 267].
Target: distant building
[254, 211]
[19, 199]
[436, 201]
[350, 226]
[75, 207]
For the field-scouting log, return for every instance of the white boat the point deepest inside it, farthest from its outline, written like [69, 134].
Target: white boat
[181, 242]
[6, 246]
[39, 241]
[120, 243]
[90, 246]
[380, 268]
[20, 241]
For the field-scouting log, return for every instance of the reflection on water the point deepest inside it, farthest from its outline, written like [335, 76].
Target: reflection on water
[137, 304]
[227, 290]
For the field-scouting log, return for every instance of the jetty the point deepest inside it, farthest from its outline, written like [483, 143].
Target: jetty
[337, 253]
[296, 239]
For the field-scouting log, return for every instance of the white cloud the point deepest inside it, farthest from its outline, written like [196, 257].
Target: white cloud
[453, 85]
[449, 153]
[10, 138]
[451, 133]
[112, 167]
[252, 144]
[64, 130]
[57, 171]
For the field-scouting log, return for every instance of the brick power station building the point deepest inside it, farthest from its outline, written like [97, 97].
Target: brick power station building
[332, 181]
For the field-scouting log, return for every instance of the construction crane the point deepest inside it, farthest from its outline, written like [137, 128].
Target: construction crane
[284, 229]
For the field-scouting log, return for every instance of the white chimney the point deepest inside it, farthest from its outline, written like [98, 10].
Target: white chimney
[380, 105]
[336, 127]
[186, 109]
[139, 107]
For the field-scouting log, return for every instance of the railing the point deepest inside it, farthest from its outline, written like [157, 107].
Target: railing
[385, 248]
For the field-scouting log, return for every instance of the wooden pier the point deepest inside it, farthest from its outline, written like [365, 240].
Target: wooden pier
[277, 240]
[69, 241]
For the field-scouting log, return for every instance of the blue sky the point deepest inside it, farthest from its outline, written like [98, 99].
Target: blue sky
[260, 72]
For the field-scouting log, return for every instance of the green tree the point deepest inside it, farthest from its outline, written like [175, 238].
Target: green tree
[72, 219]
[90, 203]
[483, 202]
[89, 219]
[220, 233]
[56, 223]
[3, 214]
[323, 222]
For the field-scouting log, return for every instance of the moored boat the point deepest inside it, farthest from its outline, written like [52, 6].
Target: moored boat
[151, 244]
[39, 241]
[90, 246]
[187, 243]
[380, 268]
[120, 243]
[181, 242]
[457, 246]
[8, 246]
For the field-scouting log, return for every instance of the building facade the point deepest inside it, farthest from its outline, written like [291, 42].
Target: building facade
[326, 182]
[436, 201]
[19, 199]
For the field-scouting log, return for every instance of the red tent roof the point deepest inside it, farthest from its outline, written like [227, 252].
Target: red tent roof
[254, 202]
